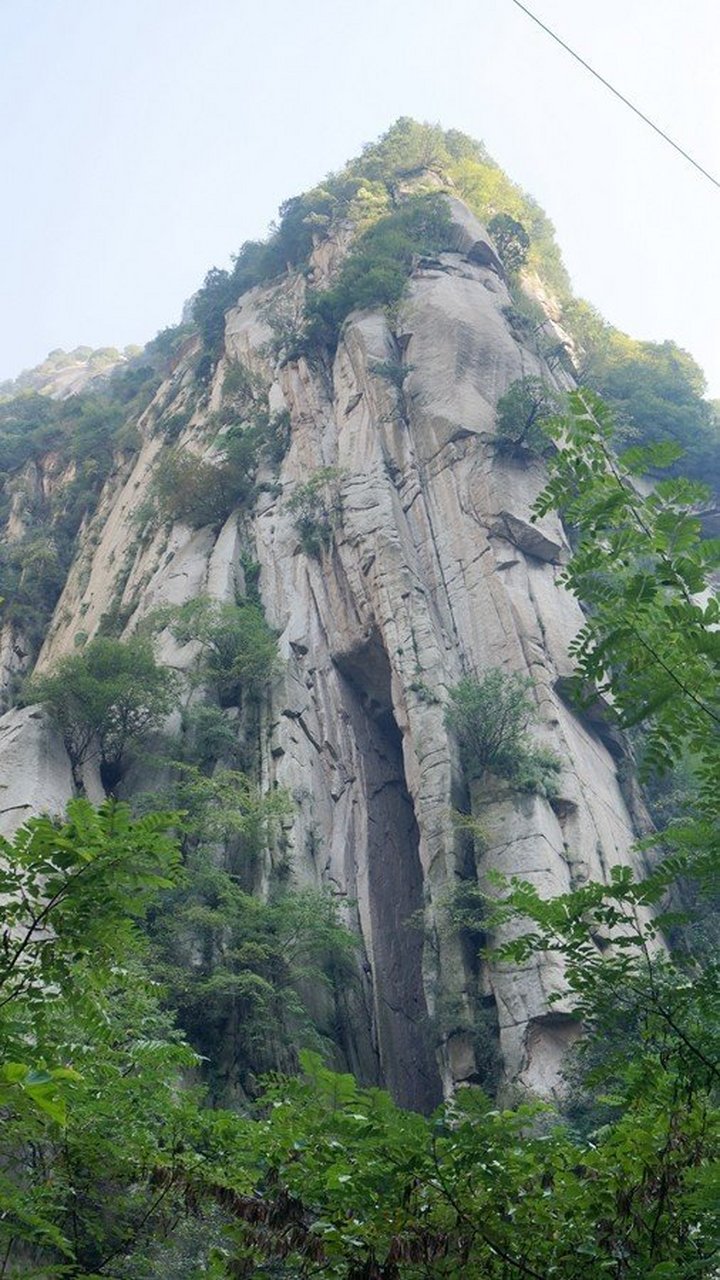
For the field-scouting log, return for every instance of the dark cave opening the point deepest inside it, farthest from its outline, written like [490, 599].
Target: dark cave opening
[395, 881]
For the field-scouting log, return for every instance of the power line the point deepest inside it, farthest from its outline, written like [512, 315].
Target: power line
[618, 94]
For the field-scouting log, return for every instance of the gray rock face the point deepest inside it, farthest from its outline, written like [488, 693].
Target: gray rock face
[435, 571]
[35, 773]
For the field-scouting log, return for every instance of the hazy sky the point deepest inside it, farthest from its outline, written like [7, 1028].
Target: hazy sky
[144, 140]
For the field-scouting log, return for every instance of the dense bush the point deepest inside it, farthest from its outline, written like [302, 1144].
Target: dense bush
[258, 965]
[81, 427]
[89, 1064]
[656, 391]
[197, 492]
[241, 1002]
[32, 575]
[491, 717]
[202, 491]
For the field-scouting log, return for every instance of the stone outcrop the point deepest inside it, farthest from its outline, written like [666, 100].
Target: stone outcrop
[36, 776]
[435, 571]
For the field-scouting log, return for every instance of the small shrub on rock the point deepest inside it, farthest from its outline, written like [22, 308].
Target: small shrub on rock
[491, 717]
[521, 413]
[316, 506]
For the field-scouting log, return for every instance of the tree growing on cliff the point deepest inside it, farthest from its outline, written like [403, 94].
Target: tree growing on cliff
[522, 413]
[105, 699]
[316, 507]
[512, 241]
[237, 649]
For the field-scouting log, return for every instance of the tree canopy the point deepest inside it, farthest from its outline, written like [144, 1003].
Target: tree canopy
[105, 698]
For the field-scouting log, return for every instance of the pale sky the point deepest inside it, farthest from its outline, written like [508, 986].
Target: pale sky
[143, 140]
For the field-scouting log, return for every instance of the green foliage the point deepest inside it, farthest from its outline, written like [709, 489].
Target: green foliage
[70, 892]
[242, 1002]
[32, 573]
[347, 1185]
[407, 148]
[491, 717]
[82, 1144]
[224, 811]
[248, 978]
[655, 391]
[521, 413]
[198, 492]
[511, 240]
[79, 1189]
[393, 371]
[83, 428]
[376, 270]
[206, 490]
[105, 699]
[164, 349]
[257, 262]
[652, 637]
[657, 395]
[317, 509]
[172, 425]
[237, 649]
[88, 432]
[208, 735]
[211, 302]
[466, 910]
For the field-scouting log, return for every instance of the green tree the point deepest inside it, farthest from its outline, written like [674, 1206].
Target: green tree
[512, 241]
[261, 976]
[655, 390]
[237, 649]
[105, 699]
[89, 1065]
[521, 414]
[199, 492]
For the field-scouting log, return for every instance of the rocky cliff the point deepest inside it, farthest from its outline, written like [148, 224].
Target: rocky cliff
[431, 569]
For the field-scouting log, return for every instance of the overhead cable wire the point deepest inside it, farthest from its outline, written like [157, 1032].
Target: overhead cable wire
[656, 128]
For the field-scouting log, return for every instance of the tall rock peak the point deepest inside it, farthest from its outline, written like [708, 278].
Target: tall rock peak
[427, 567]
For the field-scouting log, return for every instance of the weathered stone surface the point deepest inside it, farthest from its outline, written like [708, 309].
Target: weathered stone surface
[14, 658]
[35, 773]
[528, 537]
